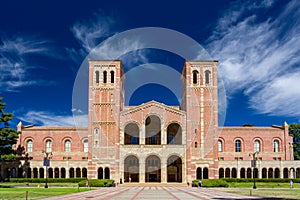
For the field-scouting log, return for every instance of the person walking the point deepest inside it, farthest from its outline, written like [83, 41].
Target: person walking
[291, 183]
[199, 183]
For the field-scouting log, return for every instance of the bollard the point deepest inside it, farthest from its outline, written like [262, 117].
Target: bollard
[251, 192]
[26, 195]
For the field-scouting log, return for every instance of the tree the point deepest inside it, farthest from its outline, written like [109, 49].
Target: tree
[8, 136]
[294, 129]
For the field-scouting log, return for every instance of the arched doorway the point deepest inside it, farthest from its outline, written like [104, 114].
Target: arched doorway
[221, 173]
[35, 172]
[29, 172]
[153, 169]
[71, 172]
[41, 172]
[243, 173]
[78, 172]
[131, 169]
[285, 173]
[100, 173]
[84, 172]
[63, 173]
[199, 173]
[174, 169]
[227, 173]
[106, 173]
[270, 173]
[277, 173]
[56, 172]
[50, 172]
[264, 173]
[233, 173]
[249, 173]
[205, 173]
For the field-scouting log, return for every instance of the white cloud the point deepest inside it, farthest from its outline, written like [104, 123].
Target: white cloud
[256, 56]
[50, 119]
[93, 36]
[13, 61]
[279, 97]
[90, 32]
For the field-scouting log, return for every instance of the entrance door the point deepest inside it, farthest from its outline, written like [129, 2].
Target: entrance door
[174, 169]
[153, 169]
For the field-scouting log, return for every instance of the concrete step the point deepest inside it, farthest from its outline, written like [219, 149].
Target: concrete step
[153, 185]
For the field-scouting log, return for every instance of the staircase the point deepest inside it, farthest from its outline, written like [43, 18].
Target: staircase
[153, 185]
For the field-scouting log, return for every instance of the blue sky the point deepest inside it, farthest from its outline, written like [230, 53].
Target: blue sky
[257, 43]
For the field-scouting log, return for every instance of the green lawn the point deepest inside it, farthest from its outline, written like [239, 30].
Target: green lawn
[36, 193]
[281, 193]
[268, 190]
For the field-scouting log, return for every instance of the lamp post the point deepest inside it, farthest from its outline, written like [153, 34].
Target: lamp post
[47, 164]
[253, 164]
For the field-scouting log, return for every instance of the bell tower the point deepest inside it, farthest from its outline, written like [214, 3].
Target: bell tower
[200, 101]
[106, 100]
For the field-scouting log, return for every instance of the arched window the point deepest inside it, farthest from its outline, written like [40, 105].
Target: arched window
[96, 131]
[48, 146]
[85, 146]
[29, 145]
[67, 146]
[97, 76]
[174, 134]
[105, 77]
[256, 146]
[196, 144]
[153, 132]
[112, 76]
[238, 146]
[220, 146]
[131, 134]
[276, 146]
[195, 76]
[96, 143]
[207, 76]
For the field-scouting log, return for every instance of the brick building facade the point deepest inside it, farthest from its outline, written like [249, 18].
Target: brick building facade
[153, 142]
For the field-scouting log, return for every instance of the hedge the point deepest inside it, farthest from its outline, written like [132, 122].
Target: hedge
[265, 180]
[212, 183]
[97, 183]
[43, 180]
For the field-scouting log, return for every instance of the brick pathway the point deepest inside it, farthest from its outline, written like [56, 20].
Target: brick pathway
[157, 193]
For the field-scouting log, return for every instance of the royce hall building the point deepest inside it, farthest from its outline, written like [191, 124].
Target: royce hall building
[154, 142]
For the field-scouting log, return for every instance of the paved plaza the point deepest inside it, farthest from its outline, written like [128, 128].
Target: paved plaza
[157, 193]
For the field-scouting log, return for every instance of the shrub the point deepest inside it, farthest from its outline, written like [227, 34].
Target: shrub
[97, 183]
[43, 180]
[212, 183]
[265, 180]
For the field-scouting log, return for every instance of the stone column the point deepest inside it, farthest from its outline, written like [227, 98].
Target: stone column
[259, 171]
[164, 172]
[142, 133]
[142, 171]
[67, 173]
